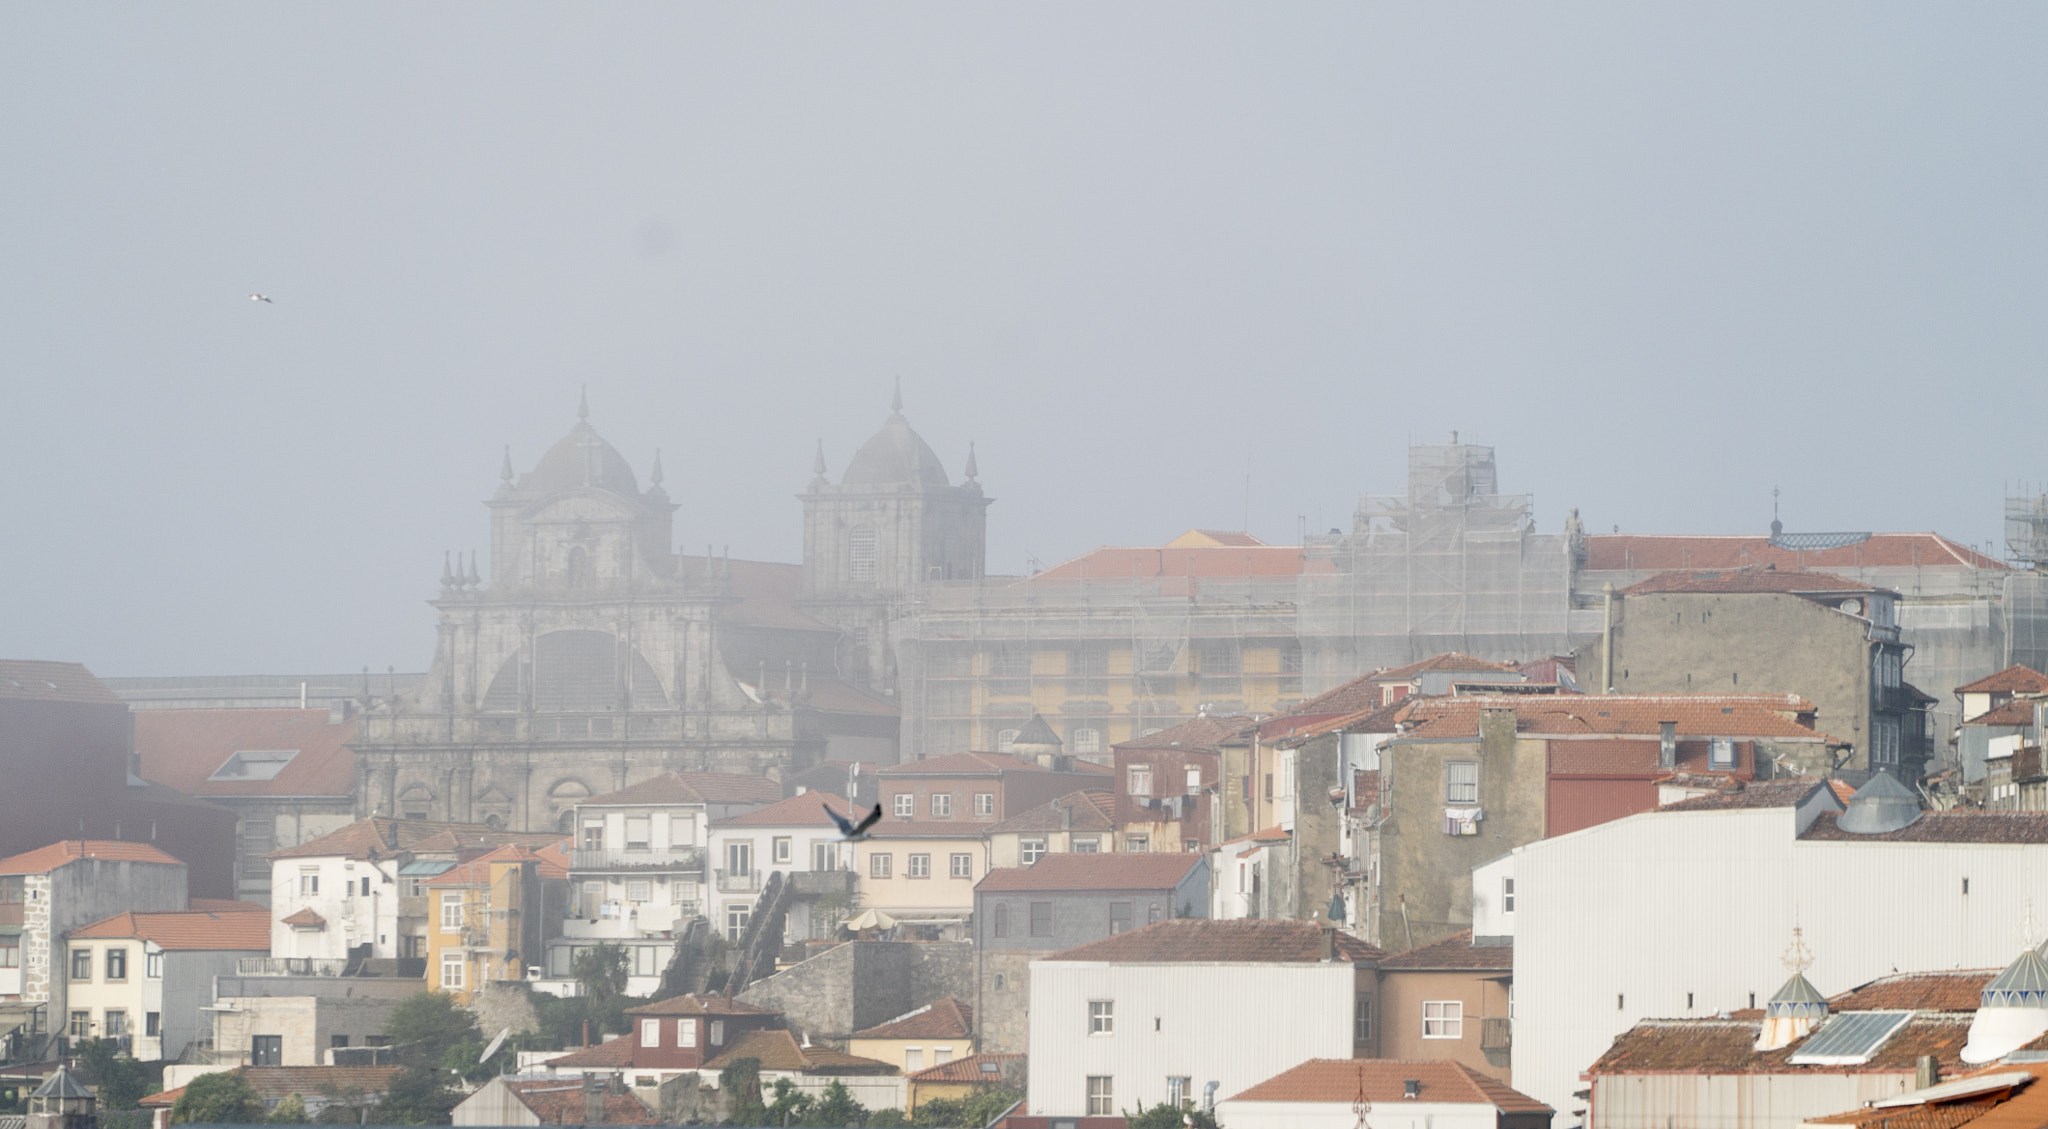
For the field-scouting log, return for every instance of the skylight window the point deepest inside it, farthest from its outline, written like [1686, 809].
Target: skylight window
[254, 764]
[1850, 1039]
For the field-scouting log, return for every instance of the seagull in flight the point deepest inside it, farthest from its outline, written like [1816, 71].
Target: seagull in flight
[258, 298]
[852, 832]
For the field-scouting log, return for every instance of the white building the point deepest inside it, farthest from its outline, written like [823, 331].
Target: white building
[1662, 914]
[792, 837]
[1324, 1094]
[1160, 1013]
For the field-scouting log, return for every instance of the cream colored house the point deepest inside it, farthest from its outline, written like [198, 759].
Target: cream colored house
[936, 1033]
[1080, 822]
[922, 873]
[142, 978]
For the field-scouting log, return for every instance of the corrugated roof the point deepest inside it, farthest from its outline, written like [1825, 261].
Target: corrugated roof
[1454, 952]
[805, 810]
[1657, 552]
[242, 930]
[1786, 581]
[945, 1019]
[42, 860]
[1201, 941]
[2015, 679]
[1385, 1082]
[1065, 870]
[185, 749]
[35, 680]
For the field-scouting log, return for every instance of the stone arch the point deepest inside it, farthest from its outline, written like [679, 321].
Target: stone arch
[416, 801]
[563, 796]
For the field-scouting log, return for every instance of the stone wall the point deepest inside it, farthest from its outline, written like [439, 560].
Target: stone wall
[864, 983]
[1002, 1005]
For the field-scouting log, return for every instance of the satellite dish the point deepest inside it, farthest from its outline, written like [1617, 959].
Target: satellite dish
[493, 1048]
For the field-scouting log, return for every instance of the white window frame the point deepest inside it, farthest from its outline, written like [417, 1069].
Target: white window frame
[985, 804]
[650, 1033]
[919, 866]
[1193, 775]
[309, 883]
[1087, 740]
[782, 848]
[913, 1059]
[1101, 1095]
[640, 891]
[906, 805]
[453, 974]
[451, 911]
[686, 1033]
[1101, 1017]
[1443, 1019]
[644, 824]
[1507, 895]
[1721, 752]
[153, 965]
[1030, 850]
[1138, 779]
[962, 865]
[1458, 789]
[942, 805]
[880, 863]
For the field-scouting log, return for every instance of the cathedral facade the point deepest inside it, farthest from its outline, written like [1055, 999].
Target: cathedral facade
[597, 654]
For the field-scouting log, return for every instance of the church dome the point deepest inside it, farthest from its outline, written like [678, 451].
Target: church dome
[896, 456]
[582, 458]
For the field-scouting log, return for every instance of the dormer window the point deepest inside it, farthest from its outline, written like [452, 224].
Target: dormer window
[254, 764]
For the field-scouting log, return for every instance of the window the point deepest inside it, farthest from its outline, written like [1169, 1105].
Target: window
[152, 1024]
[942, 805]
[941, 1054]
[81, 964]
[81, 1025]
[906, 805]
[1443, 1019]
[11, 888]
[878, 865]
[1190, 846]
[1006, 739]
[825, 855]
[412, 887]
[686, 1032]
[10, 950]
[366, 886]
[920, 866]
[985, 804]
[783, 848]
[739, 859]
[337, 1040]
[963, 866]
[117, 963]
[1119, 917]
[1101, 1097]
[1102, 1017]
[1180, 1090]
[1138, 843]
[1087, 845]
[451, 972]
[1361, 1019]
[860, 542]
[451, 911]
[1031, 850]
[1723, 753]
[638, 891]
[266, 1050]
[718, 1032]
[736, 918]
[1139, 780]
[638, 834]
[1507, 895]
[999, 920]
[113, 1024]
[1087, 740]
[593, 836]
[1041, 919]
[309, 883]
[1194, 778]
[913, 1058]
[1461, 782]
[650, 1032]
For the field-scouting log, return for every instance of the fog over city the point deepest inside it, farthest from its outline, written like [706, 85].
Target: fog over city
[1163, 266]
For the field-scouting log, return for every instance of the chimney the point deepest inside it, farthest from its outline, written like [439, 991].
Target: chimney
[1667, 744]
[1411, 1088]
[1925, 1073]
[1329, 942]
[593, 1100]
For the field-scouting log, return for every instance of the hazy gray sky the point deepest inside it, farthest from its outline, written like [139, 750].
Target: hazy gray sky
[1663, 257]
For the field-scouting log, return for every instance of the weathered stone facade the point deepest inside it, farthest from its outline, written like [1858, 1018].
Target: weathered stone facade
[36, 949]
[860, 984]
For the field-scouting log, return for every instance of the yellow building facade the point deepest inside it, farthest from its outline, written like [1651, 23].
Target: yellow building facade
[484, 921]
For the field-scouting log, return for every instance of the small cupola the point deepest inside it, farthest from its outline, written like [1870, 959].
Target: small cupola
[1879, 806]
[61, 1102]
[2012, 1012]
[1795, 1009]
[1037, 742]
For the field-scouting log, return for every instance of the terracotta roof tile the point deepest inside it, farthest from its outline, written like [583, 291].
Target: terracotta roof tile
[1090, 812]
[1065, 870]
[1918, 991]
[240, 930]
[946, 1019]
[276, 1083]
[33, 679]
[1947, 827]
[1657, 552]
[1727, 1046]
[2015, 679]
[927, 829]
[1202, 734]
[967, 1069]
[1456, 952]
[961, 764]
[1201, 941]
[225, 905]
[1752, 794]
[668, 788]
[381, 836]
[557, 1102]
[1364, 692]
[1385, 1082]
[611, 1052]
[477, 871]
[305, 918]
[2019, 713]
[42, 860]
[805, 810]
[1696, 715]
[732, 787]
[700, 1005]
[777, 1049]
[1128, 563]
[1791, 581]
[185, 749]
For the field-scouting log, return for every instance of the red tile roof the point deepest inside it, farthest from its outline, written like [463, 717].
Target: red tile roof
[946, 1019]
[1658, 552]
[732, 787]
[1960, 990]
[2020, 1104]
[1090, 811]
[927, 829]
[1454, 952]
[1697, 715]
[35, 680]
[1753, 794]
[1145, 563]
[305, 918]
[1791, 581]
[276, 1083]
[1298, 727]
[1947, 827]
[961, 764]
[1728, 1046]
[557, 1102]
[381, 836]
[42, 860]
[183, 749]
[225, 905]
[2015, 679]
[1201, 734]
[240, 930]
[611, 1052]
[1065, 870]
[777, 1049]
[966, 1069]
[699, 1005]
[554, 859]
[668, 788]
[1385, 1082]
[2017, 712]
[1201, 941]
[477, 871]
[805, 810]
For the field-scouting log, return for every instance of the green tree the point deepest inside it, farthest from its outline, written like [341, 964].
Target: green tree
[790, 1107]
[835, 1108]
[428, 1026]
[417, 1095]
[887, 1119]
[601, 970]
[1163, 1116]
[742, 1080]
[291, 1111]
[118, 1080]
[349, 1106]
[221, 1098]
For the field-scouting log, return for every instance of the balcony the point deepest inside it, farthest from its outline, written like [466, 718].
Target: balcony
[289, 966]
[671, 859]
[823, 883]
[738, 881]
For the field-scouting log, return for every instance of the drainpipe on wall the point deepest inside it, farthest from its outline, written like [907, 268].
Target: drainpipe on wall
[1607, 639]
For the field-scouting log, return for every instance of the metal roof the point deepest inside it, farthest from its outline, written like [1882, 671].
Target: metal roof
[1797, 998]
[61, 1084]
[1882, 805]
[1850, 1039]
[425, 867]
[2024, 983]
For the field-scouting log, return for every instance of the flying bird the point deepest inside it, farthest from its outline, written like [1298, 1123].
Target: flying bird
[850, 831]
[258, 298]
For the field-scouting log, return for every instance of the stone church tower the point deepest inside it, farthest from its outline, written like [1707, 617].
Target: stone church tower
[893, 522]
[595, 656]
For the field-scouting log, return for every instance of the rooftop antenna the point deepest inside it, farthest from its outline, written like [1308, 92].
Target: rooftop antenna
[1777, 526]
[1798, 958]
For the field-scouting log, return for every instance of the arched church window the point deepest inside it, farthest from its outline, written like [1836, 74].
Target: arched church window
[576, 671]
[1006, 739]
[861, 565]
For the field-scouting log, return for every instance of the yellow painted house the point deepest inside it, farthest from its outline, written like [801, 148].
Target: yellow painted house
[935, 1033]
[485, 919]
[963, 1078]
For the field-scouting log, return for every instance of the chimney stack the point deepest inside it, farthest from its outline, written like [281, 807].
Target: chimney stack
[1667, 748]
[1411, 1088]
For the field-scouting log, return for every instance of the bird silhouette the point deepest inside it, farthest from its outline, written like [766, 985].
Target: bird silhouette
[258, 298]
[850, 831]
